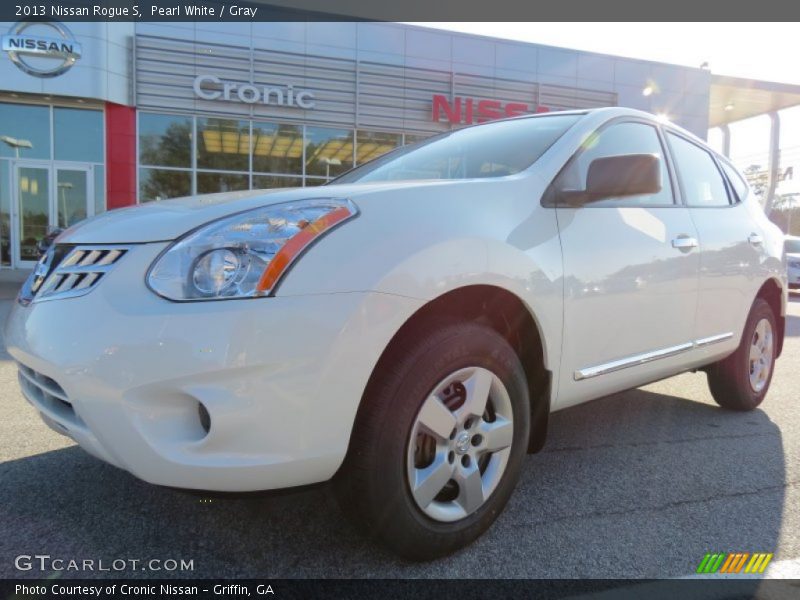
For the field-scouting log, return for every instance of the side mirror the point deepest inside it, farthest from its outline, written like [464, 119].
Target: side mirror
[626, 175]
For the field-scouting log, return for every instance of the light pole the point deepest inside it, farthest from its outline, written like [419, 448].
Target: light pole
[63, 187]
[16, 144]
[328, 162]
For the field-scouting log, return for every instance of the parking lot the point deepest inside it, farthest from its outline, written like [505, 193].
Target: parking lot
[639, 484]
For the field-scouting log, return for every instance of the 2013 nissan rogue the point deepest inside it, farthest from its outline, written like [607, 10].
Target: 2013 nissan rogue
[407, 329]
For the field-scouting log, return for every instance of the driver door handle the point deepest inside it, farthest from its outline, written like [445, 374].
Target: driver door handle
[684, 242]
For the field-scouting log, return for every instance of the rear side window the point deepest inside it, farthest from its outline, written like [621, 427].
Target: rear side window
[701, 181]
[616, 140]
[737, 181]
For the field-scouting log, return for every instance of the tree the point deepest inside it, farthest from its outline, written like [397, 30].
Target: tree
[758, 179]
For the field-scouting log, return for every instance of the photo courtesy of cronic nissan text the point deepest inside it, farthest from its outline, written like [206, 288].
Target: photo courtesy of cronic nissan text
[342, 299]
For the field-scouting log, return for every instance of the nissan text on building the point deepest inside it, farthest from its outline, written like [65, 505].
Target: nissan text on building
[96, 116]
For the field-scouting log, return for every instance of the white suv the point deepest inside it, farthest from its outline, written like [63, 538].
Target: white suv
[407, 329]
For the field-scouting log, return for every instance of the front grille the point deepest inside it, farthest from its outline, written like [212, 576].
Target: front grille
[75, 271]
[47, 396]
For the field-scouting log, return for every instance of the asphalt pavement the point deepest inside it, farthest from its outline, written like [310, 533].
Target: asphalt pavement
[640, 484]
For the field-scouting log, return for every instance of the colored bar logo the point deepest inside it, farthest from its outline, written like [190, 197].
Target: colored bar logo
[734, 562]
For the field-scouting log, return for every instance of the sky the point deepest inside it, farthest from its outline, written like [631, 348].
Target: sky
[767, 51]
[756, 50]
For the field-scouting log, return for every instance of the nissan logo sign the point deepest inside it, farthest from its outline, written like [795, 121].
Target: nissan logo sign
[42, 49]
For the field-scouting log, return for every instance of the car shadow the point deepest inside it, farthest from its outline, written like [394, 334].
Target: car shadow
[638, 484]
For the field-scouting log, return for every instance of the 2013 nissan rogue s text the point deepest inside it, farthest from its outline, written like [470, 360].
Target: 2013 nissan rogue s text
[407, 329]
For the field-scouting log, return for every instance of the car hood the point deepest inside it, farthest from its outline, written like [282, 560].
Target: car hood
[169, 219]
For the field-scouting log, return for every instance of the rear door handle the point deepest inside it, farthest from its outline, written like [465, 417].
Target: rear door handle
[755, 239]
[684, 242]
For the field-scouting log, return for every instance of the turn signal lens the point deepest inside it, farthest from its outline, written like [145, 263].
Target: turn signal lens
[244, 255]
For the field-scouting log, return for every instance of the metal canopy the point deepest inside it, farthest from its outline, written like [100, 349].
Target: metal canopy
[735, 98]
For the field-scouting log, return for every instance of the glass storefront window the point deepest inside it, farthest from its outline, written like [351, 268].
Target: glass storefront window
[413, 138]
[24, 131]
[72, 191]
[78, 134]
[34, 209]
[277, 148]
[211, 183]
[161, 184]
[165, 140]
[265, 182]
[223, 144]
[372, 144]
[99, 189]
[5, 212]
[329, 152]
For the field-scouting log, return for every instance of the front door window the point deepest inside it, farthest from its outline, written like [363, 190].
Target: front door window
[33, 195]
[72, 195]
[51, 174]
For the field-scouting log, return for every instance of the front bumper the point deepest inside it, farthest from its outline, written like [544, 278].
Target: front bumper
[123, 373]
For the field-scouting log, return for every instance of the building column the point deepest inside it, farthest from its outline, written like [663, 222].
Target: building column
[726, 140]
[120, 155]
[774, 161]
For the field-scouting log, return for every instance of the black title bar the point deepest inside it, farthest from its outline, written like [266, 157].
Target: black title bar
[398, 10]
[396, 589]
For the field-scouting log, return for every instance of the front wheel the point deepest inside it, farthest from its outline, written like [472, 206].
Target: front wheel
[439, 441]
[741, 381]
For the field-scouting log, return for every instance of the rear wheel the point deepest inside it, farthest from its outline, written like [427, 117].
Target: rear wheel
[439, 442]
[741, 381]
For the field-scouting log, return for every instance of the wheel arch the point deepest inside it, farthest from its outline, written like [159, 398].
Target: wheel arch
[775, 295]
[505, 313]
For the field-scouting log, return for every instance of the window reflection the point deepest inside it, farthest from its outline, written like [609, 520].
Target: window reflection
[265, 182]
[24, 131]
[372, 144]
[223, 144]
[71, 196]
[78, 134]
[210, 183]
[5, 212]
[34, 209]
[413, 138]
[99, 189]
[161, 184]
[277, 148]
[165, 140]
[329, 152]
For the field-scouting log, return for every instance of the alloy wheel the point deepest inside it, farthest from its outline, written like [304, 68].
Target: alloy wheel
[761, 356]
[460, 444]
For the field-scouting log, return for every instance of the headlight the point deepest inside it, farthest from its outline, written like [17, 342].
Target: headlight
[246, 254]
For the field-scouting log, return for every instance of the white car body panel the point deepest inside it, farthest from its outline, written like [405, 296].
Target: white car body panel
[283, 376]
[627, 292]
[137, 364]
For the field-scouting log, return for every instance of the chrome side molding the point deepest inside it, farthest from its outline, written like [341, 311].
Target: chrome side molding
[707, 341]
[646, 357]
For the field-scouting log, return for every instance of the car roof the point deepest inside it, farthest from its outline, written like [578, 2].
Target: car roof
[611, 112]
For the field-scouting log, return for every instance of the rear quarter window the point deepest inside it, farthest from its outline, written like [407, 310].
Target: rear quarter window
[738, 182]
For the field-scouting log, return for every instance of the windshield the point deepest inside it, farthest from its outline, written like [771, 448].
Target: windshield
[491, 150]
[792, 246]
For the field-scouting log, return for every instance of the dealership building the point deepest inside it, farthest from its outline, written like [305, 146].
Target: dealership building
[95, 116]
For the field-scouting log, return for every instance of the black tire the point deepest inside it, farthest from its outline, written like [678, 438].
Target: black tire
[373, 487]
[729, 379]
